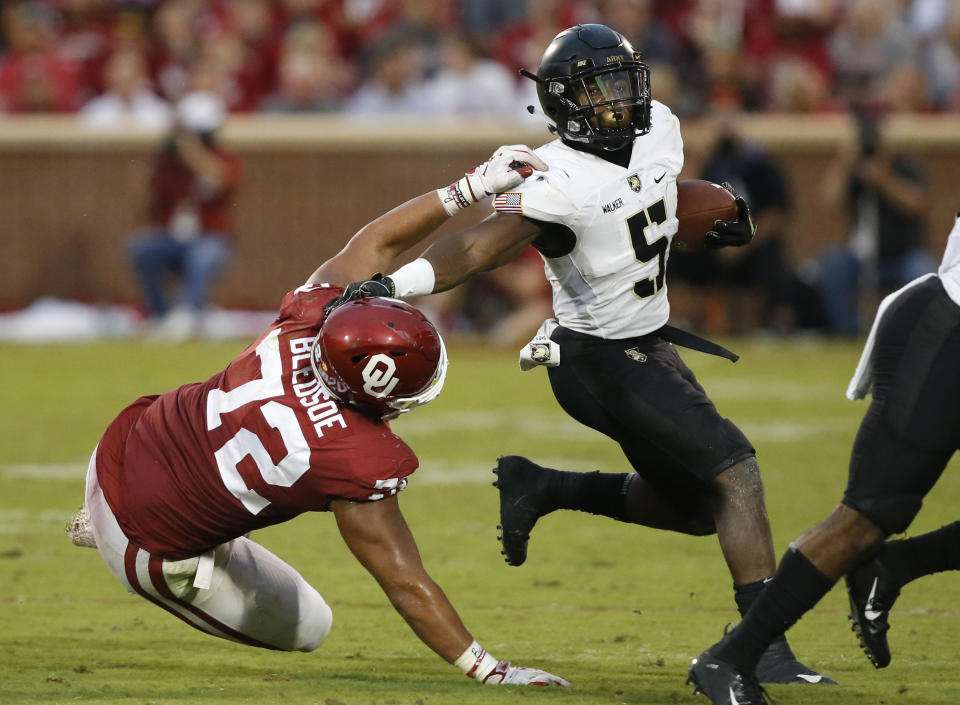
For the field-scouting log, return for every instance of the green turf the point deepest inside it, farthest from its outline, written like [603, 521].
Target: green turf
[618, 610]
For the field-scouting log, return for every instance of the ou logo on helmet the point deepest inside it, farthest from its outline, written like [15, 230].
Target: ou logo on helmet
[378, 379]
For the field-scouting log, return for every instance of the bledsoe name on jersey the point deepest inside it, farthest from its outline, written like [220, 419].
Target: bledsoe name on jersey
[605, 252]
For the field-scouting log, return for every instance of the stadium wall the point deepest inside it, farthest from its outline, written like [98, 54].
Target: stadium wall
[69, 196]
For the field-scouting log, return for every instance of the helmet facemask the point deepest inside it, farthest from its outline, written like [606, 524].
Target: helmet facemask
[607, 107]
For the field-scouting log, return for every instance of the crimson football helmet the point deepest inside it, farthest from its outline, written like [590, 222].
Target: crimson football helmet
[380, 354]
[593, 87]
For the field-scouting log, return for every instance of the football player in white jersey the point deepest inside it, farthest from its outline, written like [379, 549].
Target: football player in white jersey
[603, 217]
[911, 366]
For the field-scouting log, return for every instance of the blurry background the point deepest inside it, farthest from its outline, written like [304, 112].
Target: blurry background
[340, 109]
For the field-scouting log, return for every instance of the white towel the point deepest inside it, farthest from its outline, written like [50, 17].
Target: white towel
[863, 376]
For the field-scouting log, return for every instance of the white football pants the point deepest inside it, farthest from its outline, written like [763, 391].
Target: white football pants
[252, 597]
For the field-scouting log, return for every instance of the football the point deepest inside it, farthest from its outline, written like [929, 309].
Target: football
[699, 204]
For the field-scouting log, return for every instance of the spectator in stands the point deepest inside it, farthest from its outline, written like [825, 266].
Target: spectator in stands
[249, 41]
[176, 26]
[192, 191]
[395, 85]
[797, 86]
[33, 77]
[637, 21]
[671, 64]
[313, 78]
[903, 90]
[128, 101]
[469, 85]
[886, 199]
[329, 14]
[869, 42]
[86, 41]
[482, 19]
[941, 63]
[786, 46]
[521, 45]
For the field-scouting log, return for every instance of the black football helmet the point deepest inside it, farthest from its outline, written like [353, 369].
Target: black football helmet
[593, 87]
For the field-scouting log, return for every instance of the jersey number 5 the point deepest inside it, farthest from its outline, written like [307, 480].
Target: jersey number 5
[645, 251]
[297, 459]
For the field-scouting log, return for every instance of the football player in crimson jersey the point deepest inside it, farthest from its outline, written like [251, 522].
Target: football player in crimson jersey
[603, 217]
[297, 422]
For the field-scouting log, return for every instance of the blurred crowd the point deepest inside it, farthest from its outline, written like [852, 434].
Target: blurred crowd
[129, 60]
[183, 66]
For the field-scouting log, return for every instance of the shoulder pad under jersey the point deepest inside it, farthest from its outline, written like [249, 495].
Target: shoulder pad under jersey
[663, 145]
[544, 195]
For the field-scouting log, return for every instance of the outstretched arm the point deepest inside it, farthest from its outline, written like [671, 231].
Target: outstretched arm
[488, 245]
[375, 246]
[379, 537]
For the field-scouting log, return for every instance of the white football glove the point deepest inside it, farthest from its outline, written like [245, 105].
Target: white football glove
[507, 168]
[506, 674]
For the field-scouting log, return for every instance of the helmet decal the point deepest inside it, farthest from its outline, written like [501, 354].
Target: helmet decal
[379, 381]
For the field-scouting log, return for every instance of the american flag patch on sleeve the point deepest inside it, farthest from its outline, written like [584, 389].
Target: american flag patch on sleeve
[508, 203]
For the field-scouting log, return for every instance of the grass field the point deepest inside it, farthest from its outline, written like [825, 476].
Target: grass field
[617, 609]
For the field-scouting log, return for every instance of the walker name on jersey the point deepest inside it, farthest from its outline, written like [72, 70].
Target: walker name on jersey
[611, 207]
[321, 409]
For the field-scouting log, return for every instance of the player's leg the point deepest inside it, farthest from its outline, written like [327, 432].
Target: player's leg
[905, 439]
[874, 585]
[529, 491]
[152, 254]
[591, 386]
[253, 597]
[677, 439]
[205, 260]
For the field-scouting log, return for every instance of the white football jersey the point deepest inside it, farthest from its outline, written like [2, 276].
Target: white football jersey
[609, 282]
[949, 271]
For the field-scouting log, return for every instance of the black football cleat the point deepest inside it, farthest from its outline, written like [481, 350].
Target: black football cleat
[523, 487]
[779, 665]
[872, 592]
[723, 684]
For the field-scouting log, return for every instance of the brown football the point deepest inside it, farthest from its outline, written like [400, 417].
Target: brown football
[699, 204]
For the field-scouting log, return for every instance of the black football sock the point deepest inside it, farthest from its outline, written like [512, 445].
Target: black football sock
[594, 492]
[745, 595]
[933, 552]
[795, 588]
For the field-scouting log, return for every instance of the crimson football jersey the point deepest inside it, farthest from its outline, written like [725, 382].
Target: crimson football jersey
[254, 445]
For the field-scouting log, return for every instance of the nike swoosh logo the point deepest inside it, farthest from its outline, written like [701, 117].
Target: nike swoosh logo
[868, 611]
[733, 697]
[657, 181]
[810, 678]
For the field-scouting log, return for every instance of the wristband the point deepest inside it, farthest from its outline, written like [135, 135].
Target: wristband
[457, 196]
[475, 662]
[414, 279]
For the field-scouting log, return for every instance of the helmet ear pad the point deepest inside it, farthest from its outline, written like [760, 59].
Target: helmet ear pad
[379, 354]
[588, 60]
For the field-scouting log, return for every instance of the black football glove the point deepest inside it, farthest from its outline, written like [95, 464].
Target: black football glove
[734, 233]
[378, 285]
